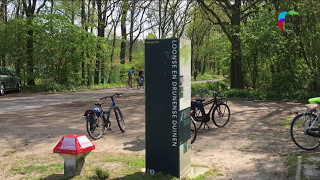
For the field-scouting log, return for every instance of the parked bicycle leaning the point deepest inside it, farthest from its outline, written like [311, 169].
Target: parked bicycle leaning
[305, 127]
[219, 111]
[140, 79]
[98, 119]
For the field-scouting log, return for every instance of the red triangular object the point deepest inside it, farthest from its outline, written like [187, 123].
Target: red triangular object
[280, 25]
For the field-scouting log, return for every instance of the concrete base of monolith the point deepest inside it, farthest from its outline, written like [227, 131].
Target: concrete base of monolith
[73, 164]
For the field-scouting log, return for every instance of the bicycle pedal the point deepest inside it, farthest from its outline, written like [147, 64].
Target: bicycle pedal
[204, 127]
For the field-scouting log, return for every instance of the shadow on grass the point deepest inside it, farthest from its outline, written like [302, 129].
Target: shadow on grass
[56, 177]
[144, 176]
[135, 145]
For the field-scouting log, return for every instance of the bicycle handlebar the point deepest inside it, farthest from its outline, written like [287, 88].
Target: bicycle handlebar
[216, 93]
[116, 94]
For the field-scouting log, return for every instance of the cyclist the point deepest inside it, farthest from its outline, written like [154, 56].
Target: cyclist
[141, 72]
[140, 76]
[130, 74]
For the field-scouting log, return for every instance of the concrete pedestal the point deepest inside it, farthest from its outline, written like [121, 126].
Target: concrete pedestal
[73, 164]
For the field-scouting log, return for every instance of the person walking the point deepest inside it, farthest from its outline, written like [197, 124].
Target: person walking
[195, 74]
[130, 74]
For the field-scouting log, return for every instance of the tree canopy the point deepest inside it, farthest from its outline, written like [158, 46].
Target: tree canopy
[88, 42]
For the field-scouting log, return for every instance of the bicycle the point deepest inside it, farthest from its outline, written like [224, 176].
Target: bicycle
[220, 113]
[140, 82]
[97, 120]
[193, 129]
[305, 127]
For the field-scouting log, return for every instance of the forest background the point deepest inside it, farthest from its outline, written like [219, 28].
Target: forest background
[89, 44]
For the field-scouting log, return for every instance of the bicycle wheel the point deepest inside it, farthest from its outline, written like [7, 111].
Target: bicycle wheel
[138, 85]
[198, 118]
[120, 119]
[193, 131]
[221, 115]
[95, 126]
[299, 126]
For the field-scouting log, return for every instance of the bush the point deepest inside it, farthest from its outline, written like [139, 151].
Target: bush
[101, 174]
[205, 89]
[55, 87]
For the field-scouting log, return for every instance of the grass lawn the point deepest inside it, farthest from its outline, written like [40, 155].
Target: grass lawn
[98, 165]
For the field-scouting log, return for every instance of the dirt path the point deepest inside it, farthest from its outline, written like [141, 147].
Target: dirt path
[254, 144]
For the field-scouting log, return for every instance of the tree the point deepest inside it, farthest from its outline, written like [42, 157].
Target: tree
[4, 18]
[124, 11]
[30, 10]
[236, 12]
[169, 17]
[138, 21]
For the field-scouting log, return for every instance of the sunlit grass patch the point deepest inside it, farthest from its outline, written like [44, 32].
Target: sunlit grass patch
[286, 121]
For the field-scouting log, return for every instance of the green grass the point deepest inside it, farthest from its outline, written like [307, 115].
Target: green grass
[198, 165]
[98, 165]
[132, 163]
[286, 121]
[291, 163]
[102, 174]
[210, 173]
[37, 168]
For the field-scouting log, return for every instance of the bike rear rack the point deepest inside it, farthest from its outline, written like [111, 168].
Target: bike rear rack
[208, 102]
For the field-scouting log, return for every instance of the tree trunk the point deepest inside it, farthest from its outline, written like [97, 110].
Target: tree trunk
[255, 70]
[101, 26]
[72, 12]
[203, 67]
[51, 8]
[123, 31]
[112, 50]
[132, 14]
[83, 21]
[3, 15]
[236, 56]
[130, 51]
[30, 64]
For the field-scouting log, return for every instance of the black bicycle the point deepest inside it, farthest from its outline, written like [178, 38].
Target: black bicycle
[140, 82]
[219, 111]
[98, 119]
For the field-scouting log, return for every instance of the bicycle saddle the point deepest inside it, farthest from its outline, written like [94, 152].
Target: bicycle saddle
[98, 104]
[200, 100]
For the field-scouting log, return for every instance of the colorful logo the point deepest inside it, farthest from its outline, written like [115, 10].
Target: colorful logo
[283, 15]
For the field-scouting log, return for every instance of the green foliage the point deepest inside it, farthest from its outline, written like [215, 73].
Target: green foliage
[56, 87]
[206, 76]
[102, 174]
[206, 89]
[151, 35]
[276, 64]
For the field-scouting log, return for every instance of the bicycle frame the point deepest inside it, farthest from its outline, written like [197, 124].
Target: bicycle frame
[313, 121]
[214, 103]
[112, 106]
